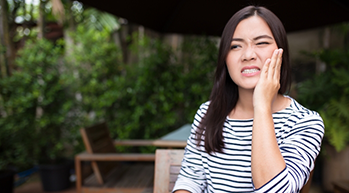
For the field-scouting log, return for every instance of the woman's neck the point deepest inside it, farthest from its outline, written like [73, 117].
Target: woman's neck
[244, 106]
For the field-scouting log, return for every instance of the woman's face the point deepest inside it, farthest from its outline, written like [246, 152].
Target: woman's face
[252, 44]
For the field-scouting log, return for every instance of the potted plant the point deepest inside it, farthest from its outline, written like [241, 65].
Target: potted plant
[6, 180]
[54, 118]
[14, 152]
[6, 172]
[17, 123]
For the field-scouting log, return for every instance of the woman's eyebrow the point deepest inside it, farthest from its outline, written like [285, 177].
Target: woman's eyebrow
[237, 39]
[256, 38]
[262, 36]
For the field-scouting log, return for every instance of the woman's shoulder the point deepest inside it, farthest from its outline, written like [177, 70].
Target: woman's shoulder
[305, 120]
[300, 111]
[203, 107]
[200, 113]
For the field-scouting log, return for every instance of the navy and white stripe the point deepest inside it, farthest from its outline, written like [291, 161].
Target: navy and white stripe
[299, 133]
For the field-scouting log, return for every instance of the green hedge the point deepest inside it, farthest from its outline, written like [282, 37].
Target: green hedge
[148, 99]
[328, 93]
[60, 87]
[37, 106]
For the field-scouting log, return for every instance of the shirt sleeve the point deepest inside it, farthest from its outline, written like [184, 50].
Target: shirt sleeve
[192, 176]
[299, 147]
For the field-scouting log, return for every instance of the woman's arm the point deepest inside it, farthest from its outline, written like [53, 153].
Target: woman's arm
[192, 176]
[299, 145]
[284, 167]
[266, 158]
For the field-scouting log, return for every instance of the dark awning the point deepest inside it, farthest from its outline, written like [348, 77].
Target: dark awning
[210, 16]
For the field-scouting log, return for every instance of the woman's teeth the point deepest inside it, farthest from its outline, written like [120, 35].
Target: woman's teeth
[247, 71]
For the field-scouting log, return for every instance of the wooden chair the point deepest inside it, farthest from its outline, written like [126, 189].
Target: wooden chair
[101, 153]
[341, 186]
[167, 167]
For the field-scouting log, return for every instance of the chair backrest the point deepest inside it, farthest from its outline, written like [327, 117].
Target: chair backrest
[97, 140]
[167, 166]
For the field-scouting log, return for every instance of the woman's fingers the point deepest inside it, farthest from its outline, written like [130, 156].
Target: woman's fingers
[265, 70]
[268, 84]
[274, 67]
[273, 64]
[278, 65]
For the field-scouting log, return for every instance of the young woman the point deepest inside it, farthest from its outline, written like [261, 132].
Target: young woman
[250, 137]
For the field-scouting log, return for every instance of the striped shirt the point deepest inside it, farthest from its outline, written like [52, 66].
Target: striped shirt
[298, 131]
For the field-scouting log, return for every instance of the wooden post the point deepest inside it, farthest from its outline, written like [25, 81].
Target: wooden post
[78, 174]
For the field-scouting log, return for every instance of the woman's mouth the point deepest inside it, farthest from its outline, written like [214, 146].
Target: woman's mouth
[249, 71]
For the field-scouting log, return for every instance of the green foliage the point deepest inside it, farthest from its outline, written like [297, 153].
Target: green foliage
[36, 104]
[199, 62]
[97, 61]
[147, 99]
[164, 92]
[328, 93]
[336, 117]
[56, 90]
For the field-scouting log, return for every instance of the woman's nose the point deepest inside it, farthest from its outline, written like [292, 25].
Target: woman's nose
[249, 54]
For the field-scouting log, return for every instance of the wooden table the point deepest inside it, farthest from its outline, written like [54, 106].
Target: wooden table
[175, 139]
[157, 143]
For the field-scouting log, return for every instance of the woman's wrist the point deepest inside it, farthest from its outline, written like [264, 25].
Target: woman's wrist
[262, 109]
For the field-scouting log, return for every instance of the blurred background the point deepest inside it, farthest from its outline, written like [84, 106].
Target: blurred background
[67, 64]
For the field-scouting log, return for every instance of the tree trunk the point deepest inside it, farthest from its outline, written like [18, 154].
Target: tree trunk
[121, 37]
[6, 40]
[41, 20]
[71, 18]
[2, 56]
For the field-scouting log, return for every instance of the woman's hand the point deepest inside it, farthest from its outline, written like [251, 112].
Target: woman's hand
[266, 158]
[269, 81]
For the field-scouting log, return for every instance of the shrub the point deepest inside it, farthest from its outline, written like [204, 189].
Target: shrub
[328, 93]
[37, 104]
[149, 98]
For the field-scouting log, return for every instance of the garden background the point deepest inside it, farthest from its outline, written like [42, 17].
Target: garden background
[64, 66]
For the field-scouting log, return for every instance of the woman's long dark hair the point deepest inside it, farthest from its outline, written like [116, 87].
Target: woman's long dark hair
[224, 94]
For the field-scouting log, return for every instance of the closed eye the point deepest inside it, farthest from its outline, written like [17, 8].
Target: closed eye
[263, 43]
[234, 47]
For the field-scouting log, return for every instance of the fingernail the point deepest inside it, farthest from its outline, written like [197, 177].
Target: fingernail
[281, 50]
[276, 51]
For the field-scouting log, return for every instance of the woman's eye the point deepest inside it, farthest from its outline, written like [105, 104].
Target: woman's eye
[234, 47]
[262, 43]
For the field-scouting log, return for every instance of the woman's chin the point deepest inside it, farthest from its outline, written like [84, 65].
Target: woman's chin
[247, 87]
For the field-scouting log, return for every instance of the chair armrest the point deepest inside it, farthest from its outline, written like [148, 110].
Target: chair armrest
[167, 143]
[156, 143]
[115, 157]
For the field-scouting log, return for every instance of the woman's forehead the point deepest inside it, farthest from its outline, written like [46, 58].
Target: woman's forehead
[252, 28]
